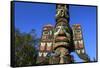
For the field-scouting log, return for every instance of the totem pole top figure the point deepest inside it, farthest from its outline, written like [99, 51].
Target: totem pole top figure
[62, 11]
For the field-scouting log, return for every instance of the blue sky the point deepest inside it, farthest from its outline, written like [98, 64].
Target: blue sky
[35, 15]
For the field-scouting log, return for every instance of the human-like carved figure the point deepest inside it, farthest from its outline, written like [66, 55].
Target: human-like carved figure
[61, 11]
[65, 40]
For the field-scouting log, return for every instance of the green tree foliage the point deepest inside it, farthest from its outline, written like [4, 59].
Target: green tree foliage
[25, 51]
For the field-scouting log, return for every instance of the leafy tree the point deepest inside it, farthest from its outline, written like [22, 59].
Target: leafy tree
[25, 51]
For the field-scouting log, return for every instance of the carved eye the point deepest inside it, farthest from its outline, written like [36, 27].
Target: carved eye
[56, 29]
[78, 31]
[45, 33]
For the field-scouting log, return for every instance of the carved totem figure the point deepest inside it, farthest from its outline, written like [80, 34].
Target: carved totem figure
[58, 42]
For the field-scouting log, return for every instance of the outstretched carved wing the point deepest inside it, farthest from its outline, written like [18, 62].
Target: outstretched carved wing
[79, 43]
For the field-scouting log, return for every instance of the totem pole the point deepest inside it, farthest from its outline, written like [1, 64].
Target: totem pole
[63, 42]
[46, 44]
[58, 42]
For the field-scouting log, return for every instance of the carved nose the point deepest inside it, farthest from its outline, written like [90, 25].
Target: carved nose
[61, 32]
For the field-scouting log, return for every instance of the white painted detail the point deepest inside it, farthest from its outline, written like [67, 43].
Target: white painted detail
[78, 51]
[59, 28]
[83, 51]
[40, 54]
[49, 44]
[67, 34]
[81, 41]
[73, 32]
[75, 42]
[45, 54]
[57, 32]
[43, 44]
[50, 32]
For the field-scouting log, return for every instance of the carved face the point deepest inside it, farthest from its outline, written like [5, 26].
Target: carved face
[61, 11]
[61, 28]
[61, 51]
